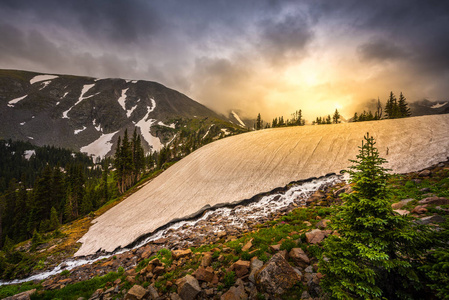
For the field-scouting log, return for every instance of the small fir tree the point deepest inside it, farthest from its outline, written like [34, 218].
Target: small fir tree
[336, 117]
[403, 109]
[375, 251]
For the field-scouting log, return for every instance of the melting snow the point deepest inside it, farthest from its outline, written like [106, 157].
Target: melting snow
[65, 94]
[79, 130]
[122, 99]
[97, 127]
[170, 126]
[85, 89]
[145, 127]
[42, 78]
[45, 84]
[23, 123]
[438, 105]
[129, 112]
[14, 101]
[30, 137]
[236, 116]
[29, 153]
[99, 147]
[226, 131]
[264, 207]
[207, 131]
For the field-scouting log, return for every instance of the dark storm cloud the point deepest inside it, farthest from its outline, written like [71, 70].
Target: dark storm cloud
[216, 51]
[380, 50]
[286, 39]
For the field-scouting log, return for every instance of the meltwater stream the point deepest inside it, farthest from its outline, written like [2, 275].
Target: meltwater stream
[234, 217]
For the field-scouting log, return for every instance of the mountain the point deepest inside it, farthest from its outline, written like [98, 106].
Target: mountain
[239, 167]
[89, 114]
[427, 107]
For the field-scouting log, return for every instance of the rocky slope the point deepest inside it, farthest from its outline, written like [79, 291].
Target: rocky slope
[239, 167]
[88, 114]
[273, 257]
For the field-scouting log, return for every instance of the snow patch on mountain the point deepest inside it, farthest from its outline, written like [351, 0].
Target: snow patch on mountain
[170, 126]
[39, 78]
[130, 111]
[14, 101]
[97, 126]
[80, 130]
[28, 153]
[438, 105]
[85, 89]
[101, 146]
[45, 84]
[122, 99]
[236, 116]
[145, 127]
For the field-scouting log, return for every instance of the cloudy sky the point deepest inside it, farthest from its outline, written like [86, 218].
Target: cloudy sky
[266, 56]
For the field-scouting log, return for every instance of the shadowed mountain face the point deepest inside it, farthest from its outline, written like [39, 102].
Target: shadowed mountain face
[88, 114]
[239, 167]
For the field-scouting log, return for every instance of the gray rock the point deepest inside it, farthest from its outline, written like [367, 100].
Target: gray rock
[434, 200]
[431, 219]
[299, 257]
[152, 292]
[277, 276]
[401, 204]
[188, 287]
[137, 292]
[256, 264]
[235, 293]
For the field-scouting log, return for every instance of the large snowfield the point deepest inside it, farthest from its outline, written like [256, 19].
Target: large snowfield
[245, 165]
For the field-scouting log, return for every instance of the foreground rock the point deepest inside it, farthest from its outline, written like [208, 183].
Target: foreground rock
[277, 276]
[188, 287]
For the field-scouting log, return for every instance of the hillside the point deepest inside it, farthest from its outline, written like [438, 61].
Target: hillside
[88, 114]
[239, 167]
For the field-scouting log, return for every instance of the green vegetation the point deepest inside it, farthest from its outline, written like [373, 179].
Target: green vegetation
[376, 251]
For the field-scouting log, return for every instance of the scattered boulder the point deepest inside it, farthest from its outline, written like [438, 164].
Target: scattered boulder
[206, 260]
[204, 274]
[188, 287]
[322, 223]
[299, 257]
[401, 212]
[241, 268]
[401, 204]
[235, 293]
[424, 173]
[177, 254]
[275, 248]
[316, 236]
[431, 219]
[256, 264]
[434, 200]
[247, 245]
[152, 292]
[22, 296]
[137, 292]
[277, 276]
[420, 209]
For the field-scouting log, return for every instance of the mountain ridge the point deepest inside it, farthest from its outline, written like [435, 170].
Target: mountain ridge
[79, 111]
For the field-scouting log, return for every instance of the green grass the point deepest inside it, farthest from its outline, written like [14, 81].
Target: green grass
[10, 290]
[81, 289]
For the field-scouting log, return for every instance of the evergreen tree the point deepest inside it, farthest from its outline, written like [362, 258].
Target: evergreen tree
[355, 118]
[336, 117]
[275, 123]
[391, 108]
[375, 249]
[403, 110]
[54, 219]
[258, 122]
[328, 119]
[379, 110]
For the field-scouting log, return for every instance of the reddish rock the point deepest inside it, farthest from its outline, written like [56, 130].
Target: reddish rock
[235, 293]
[177, 254]
[204, 274]
[241, 268]
[206, 260]
[247, 245]
[136, 293]
[159, 270]
[322, 224]
[299, 257]
[315, 236]
[420, 209]
[22, 296]
[401, 204]
[275, 248]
